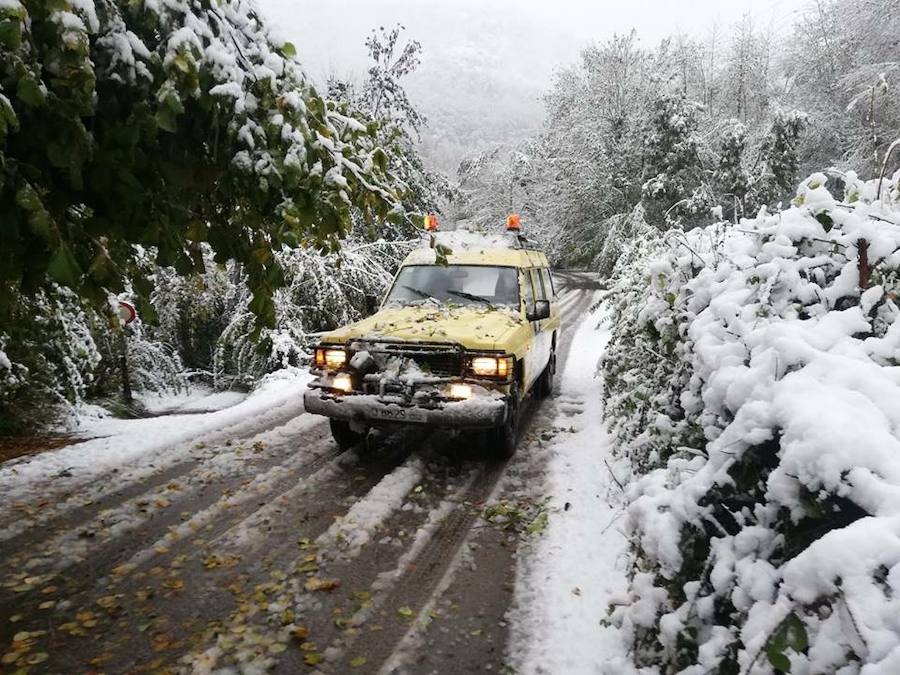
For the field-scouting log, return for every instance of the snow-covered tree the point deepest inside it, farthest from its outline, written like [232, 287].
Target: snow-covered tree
[128, 126]
[382, 97]
[675, 191]
[844, 67]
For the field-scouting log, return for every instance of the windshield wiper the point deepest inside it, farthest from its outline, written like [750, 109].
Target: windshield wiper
[419, 292]
[471, 296]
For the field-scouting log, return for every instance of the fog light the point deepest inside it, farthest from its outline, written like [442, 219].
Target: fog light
[460, 391]
[342, 381]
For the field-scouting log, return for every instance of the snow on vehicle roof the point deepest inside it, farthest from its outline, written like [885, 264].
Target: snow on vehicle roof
[477, 248]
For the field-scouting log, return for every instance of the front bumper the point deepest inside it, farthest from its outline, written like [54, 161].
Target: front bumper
[479, 412]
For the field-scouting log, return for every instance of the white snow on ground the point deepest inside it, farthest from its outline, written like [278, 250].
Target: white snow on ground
[121, 442]
[198, 399]
[567, 578]
[355, 529]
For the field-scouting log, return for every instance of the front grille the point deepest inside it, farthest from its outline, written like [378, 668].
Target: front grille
[441, 361]
[438, 360]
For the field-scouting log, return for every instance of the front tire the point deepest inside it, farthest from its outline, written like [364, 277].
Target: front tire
[544, 385]
[502, 440]
[344, 435]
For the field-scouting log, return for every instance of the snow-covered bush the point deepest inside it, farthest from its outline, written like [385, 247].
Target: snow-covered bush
[59, 351]
[50, 357]
[753, 380]
[192, 311]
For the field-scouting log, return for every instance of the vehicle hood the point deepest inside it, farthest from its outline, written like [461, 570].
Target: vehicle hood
[475, 328]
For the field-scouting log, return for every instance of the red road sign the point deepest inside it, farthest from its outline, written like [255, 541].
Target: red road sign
[126, 312]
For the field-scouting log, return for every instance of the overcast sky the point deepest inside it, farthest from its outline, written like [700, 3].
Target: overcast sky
[491, 59]
[329, 34]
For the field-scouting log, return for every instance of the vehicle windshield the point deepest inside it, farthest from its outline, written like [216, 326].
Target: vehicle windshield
[459, 284]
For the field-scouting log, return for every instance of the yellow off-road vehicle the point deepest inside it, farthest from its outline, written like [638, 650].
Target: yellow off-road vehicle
[467, 330]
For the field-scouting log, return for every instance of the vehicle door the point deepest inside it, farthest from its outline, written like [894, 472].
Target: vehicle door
[532, 353]
[550, 288]
[543, 331]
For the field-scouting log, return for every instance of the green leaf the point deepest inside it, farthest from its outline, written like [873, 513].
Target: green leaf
[358, 661]
[779, 661]
[288, 50]
[39, 220]
[10, 34]
[64, 268]
[196, 231]
[263, 307]
[8, 117]
[29, 92]
[166, 120]
[183, 63]
[825, 220]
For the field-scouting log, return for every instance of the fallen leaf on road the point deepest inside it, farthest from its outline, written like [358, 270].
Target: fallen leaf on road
[316, 584]
[121, 570]
[313, 658]
[109, 601]
[405, 612]
[10, 657]
[358, 661]
[101, 659]
[36, 658]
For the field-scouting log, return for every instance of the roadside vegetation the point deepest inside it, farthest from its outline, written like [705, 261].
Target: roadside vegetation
[177, 157]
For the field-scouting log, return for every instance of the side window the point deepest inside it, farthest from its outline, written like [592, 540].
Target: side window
[548, 283]
[527, 292]
[540, 292]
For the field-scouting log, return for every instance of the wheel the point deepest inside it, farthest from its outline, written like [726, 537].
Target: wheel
[502, 440]
[544, 385]
[343, 434]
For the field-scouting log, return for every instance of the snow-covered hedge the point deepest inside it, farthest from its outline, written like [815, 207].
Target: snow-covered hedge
[752, 378]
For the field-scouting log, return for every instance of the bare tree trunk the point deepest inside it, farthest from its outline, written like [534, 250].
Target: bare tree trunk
[865, 269]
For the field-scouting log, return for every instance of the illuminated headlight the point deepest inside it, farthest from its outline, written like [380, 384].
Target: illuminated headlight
[342, 381]
[332, 359]
[491, 366]
[460, 391]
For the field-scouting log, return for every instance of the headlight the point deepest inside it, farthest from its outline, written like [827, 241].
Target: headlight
[460, 391]
[332, 359]
[342, 381]
[491, 366]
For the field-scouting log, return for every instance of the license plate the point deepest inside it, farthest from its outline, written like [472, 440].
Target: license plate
[397, 414]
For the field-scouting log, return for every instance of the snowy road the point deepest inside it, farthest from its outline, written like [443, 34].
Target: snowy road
[245, 538]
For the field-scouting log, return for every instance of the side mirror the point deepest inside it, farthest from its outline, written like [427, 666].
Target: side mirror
[540, 311]
[371, 305]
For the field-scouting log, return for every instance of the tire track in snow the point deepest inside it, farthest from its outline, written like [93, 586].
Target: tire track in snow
[90, 566]
[76, 498]
[71, 539]
[200, 599]
[409, 588]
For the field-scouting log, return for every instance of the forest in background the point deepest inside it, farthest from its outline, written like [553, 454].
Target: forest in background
[678, 135]
[695, 129]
